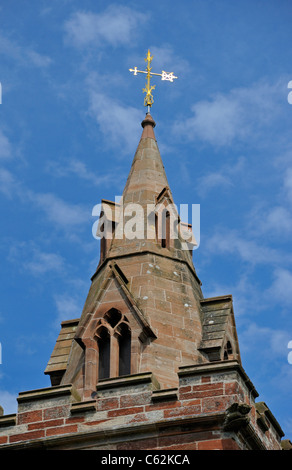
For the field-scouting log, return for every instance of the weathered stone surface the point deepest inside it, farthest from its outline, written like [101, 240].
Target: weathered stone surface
[150, 363]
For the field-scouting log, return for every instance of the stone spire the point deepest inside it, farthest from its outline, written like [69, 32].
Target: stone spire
[145, 310]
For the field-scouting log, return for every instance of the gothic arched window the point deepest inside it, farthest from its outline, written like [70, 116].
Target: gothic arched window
[124, 349]
[162, 228]
[114, 345]
[104, 353]
[228, 353]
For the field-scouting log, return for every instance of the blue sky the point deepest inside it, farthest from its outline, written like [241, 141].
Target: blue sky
[69, 127]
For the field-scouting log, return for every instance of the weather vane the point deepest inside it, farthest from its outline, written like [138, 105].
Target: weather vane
[148, 100]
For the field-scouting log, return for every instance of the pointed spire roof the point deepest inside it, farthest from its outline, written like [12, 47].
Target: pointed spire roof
[147, 177]
[146, 189]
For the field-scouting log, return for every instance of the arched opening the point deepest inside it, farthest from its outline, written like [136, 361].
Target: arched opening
[104, 353]
[124, 349]
[114, 345]
[228, 353]
[165, 238]
[113, 317]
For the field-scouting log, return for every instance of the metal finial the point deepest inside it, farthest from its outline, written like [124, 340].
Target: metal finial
[148, 100]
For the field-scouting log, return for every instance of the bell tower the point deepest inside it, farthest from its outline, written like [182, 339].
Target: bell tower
[145, 310]
[151, 363]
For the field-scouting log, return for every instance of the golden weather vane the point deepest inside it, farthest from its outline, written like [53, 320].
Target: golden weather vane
[148, 100]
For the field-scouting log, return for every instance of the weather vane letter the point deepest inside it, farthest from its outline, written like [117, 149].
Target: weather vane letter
[148, 100]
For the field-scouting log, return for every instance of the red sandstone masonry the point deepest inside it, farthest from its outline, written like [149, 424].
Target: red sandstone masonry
[184, 411]
[134, 400]
[93, 423]
[45, 424]
[218, 444]
[202, 397]
[138, 418]
[56, 412]
[165, 441]
[75, 419]
[163, 405]
[206, 379]
[145, 444]
[210, 405]
[125, 411]
[180, 446]
[30, 417]
[107, 404]
[202, 391]
[26, 436]
[61, 430]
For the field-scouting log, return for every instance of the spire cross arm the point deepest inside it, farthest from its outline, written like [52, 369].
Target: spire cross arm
[169, 76]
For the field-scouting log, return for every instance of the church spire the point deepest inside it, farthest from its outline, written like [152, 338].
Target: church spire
[146, 219]
[145, 310]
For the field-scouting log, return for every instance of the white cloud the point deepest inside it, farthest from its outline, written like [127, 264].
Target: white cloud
[35, 260]
[281, 289]
[272, 216]
[238, 115]
[43, 262]
[8, 185]
[231, 242]
[60, 212]
[166, 59]
[275, 222]
[268, 341]
[68, 308]
[116, 26]
[78, 168]
[5, 146]
[118, 123]
[39, 60]
[288, 184]
[8, 402]
[224, 177]
[23, 55]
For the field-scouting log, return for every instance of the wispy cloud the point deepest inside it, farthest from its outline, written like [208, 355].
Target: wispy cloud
[118, 123]
[8, 184]
[75, 167]
[223, 178]
[8, 401]
[272, 342]
[59, 212]
[22, 54]
[272, 222]
[68, 308]
[116, 26]
[5, 147]
[35, 260]
[62, 214]
[287, 186]
[238, 115]
[280, 290]
[166, 59]
[231, 242]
